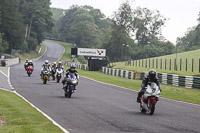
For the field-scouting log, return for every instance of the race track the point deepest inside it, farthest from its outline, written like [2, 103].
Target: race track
[100, 108]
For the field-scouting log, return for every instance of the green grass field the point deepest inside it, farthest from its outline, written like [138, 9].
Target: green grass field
[20, 117]
[17, 115]
[180, 56]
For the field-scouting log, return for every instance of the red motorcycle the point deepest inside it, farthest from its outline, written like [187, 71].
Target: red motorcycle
[29, 70]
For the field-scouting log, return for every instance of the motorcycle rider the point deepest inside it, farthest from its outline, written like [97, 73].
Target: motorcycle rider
[53, 70]
[26, 64]
[71, 70]
[30, 63]
[46, 66]
[151, 77]
[59, 65]
[54, 65]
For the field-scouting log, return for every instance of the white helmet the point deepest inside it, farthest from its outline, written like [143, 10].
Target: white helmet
[73, 66]
[46, 62]
[30, 61]
[54, 63]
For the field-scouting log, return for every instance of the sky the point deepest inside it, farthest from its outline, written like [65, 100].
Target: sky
[181, 14]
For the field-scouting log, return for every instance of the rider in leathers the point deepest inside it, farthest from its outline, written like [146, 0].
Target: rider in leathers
[72, 69]
[151, 77]
[30, 63]
[46, 66]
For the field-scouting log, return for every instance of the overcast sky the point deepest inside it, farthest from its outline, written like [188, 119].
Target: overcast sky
[182, 14]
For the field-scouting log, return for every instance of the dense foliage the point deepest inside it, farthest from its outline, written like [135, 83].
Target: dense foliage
[83, 26]
[23, 23]
[136, 34]
[130, 34]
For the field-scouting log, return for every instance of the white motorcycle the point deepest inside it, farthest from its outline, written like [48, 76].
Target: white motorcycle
[150, 98]
[59, 72]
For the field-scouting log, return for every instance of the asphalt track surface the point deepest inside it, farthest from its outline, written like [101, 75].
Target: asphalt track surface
[101, 108]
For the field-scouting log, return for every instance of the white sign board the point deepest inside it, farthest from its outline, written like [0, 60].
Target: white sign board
[91, 52]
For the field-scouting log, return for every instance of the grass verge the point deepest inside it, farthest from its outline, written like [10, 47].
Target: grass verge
[32, 54]
[20, 117]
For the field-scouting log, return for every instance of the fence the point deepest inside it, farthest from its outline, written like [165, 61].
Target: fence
[165, 78]
[182, 64]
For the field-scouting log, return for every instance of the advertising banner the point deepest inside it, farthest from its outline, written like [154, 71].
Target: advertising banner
[91, 52]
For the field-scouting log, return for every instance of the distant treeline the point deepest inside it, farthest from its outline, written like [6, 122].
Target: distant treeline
[23, 24]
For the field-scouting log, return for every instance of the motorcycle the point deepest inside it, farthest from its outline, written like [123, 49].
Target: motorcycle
[72, 82]
[53, 72]
[59, 72]
[45, 76]
[25, 66]
[29, 70]
[150, 98]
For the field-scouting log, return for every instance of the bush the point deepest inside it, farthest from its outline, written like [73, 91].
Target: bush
[82, 59]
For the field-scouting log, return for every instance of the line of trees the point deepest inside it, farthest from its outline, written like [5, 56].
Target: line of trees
[23, 24]
[129, 34]
[191, 39]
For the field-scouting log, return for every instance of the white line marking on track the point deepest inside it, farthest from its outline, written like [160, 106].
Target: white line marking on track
[3, 73]
[137, 91]
[48, 117]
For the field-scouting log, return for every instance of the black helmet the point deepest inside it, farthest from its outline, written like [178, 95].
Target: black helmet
[152, 74]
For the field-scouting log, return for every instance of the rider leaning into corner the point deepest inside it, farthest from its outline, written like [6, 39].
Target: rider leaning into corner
[150, 77]
[71, 70]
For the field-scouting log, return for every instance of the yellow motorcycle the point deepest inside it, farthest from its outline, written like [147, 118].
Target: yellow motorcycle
[45, 76]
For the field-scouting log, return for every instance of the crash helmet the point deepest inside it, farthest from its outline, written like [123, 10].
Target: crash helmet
[26, 60]
[73, 66]
[152, 74]
[30, 61]
[46, 62]
[59, 63]
[54, 63]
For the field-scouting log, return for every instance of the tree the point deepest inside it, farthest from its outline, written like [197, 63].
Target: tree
[37, 18]
[147, 25]
[83, 25]
[12, 27]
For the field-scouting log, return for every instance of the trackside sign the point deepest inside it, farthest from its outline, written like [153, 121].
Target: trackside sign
[91, 52]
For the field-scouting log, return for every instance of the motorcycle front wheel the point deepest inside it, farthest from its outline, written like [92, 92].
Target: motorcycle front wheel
[68, 94]
[152, 106]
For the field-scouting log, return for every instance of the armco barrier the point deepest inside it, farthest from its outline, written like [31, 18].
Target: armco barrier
[196, 83]
[172, 79]
[118, 72]
[175, 80]
[182, 81]
[160, 77]
[188, 81]
[142, 74]
[164, 78]
[169, 79]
